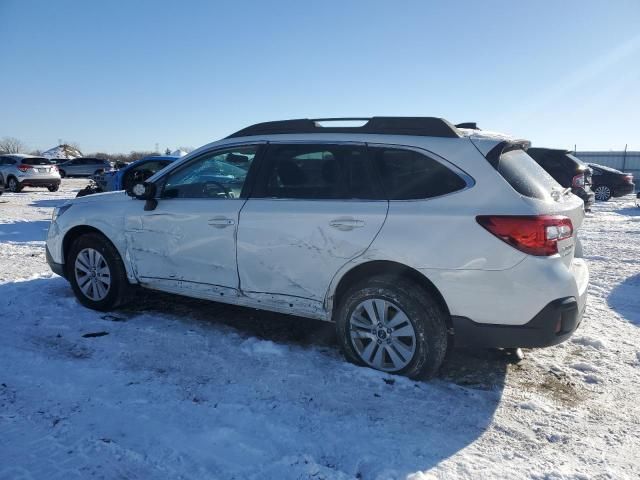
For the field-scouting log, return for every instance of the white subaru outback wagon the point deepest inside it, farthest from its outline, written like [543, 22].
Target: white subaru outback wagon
[409, 233]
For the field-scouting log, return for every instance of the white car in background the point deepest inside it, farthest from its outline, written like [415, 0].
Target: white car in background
[18, 171]
[409, 234]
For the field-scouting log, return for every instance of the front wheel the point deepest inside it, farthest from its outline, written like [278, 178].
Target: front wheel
[14, 185]
[53, 188]
[603, 193]
[392, 325]
[96, 272]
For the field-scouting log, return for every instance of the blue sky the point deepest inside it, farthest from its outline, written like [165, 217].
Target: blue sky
[121, 75]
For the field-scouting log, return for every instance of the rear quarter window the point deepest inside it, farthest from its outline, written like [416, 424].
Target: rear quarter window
[410, 175]
[525, 176]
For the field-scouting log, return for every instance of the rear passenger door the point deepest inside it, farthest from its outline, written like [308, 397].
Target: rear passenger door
[315, 207]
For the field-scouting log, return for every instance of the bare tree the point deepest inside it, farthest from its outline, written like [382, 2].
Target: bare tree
[11, 145]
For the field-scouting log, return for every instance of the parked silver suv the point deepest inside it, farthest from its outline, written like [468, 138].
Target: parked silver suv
[84, 167]
[18, 171]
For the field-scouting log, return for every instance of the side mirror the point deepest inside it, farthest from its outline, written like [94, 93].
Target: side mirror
[144, 191]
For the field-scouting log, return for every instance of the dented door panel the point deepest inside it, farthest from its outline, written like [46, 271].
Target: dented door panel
[184, 242]
[295, 247]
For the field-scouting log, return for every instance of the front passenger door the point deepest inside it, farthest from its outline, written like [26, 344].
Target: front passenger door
[187, 243]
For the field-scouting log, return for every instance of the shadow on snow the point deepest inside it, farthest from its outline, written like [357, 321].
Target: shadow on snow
[625, 299]
[24, 232]
[302, 404]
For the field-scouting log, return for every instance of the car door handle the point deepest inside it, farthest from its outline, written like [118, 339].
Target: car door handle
[345, 224]
[221, 222]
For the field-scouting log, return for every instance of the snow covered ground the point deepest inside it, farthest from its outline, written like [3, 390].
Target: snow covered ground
[177, 388]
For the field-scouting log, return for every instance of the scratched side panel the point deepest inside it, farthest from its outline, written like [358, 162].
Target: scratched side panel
[294, 247]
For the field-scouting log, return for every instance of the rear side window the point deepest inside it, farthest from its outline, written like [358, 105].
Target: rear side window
[408, 175]
[318, 171]
[525, 175]
[36, 161]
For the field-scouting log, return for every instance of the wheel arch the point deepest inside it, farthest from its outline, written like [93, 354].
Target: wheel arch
[383, 267]
[76, 232]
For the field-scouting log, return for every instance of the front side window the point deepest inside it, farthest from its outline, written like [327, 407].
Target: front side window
[210, 175]
[410, 175]
[318, 171]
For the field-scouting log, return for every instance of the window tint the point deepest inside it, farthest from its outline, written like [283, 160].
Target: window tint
[525, 175]
[407, 174]
[36, 161]
[210, 176]
[318, 171]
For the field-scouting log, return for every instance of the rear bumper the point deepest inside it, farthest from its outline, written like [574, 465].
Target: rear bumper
[554, 324]
[57, 268]
[38, 182]
[587, 196]
[621, 190]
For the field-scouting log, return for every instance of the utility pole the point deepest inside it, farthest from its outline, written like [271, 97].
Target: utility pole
[624, 158]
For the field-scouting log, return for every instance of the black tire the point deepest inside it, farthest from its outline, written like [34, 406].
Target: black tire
[14, 185]
[62, 173]
[118, 290]
[425, 314]
[53, 188]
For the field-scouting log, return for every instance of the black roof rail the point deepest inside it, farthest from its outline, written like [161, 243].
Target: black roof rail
[422, 126]
[469, 125]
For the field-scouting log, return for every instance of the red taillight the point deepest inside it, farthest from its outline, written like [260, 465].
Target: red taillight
[537, 235]
[578, 181]
[24, 168]
[629, 178]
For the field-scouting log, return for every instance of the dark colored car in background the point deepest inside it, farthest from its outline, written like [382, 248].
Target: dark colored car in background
[84, 167]
[609, 182]
[567, 170]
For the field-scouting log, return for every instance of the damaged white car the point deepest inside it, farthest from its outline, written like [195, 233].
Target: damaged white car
[409, 233]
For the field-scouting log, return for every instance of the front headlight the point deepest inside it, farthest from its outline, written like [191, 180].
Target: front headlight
[59, 211]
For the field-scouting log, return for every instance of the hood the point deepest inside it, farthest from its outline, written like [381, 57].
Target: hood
[118, 196]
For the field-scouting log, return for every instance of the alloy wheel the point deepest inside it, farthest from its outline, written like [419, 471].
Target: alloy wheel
[382, 335]
[602, 193]
[92, 274]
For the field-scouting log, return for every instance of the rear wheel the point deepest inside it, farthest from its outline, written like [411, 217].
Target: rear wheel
[96, 273]
[603, 193]
[53, 188]
[62, 173]
[14, 185]
[392, 325]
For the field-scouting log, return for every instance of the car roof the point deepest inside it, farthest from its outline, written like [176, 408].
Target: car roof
[419, 126]
[20, 155]
[548, 150]
[159, 157]
[605, 168]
